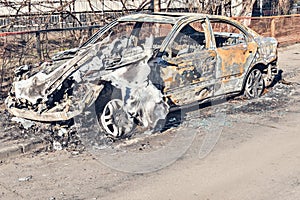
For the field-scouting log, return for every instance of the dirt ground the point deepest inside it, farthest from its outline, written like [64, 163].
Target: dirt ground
[257, 155]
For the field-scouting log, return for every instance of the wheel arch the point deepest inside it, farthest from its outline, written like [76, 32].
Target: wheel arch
[106, 95]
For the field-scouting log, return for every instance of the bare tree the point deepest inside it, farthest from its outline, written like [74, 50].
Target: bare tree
[284, 6]
[247, 8]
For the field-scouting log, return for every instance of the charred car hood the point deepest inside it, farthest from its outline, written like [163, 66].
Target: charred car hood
[66, 90]
[41, 84]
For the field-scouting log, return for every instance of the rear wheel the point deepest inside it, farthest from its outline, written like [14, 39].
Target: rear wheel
[254, 85]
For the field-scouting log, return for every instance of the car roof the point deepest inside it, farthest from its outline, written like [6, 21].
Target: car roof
[142, 17]
[174, 17]
[167, 17]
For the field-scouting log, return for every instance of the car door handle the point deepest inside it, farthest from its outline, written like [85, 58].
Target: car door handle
[245, 49]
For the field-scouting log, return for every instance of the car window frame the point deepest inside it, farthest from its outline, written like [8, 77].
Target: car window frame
[179, 26]
[248, 37]
[98, 34]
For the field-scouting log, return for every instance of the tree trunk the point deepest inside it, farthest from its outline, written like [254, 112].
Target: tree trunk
[156, 5]
[247, 8]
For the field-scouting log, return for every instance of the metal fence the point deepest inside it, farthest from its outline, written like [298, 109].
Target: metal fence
[29, 22]
[31, 47]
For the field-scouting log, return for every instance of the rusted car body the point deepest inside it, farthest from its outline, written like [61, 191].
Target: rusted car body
[139, 67]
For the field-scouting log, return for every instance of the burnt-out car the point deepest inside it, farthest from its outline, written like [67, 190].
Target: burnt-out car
[135, 70]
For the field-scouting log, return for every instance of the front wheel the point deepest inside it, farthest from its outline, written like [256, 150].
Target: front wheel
[255, 85]
[114, 120]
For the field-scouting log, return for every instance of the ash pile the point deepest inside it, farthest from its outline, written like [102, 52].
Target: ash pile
[55, 136]
[63, 135]
[280, 96]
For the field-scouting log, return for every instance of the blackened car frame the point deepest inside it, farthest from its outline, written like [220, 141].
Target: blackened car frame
[139, 67]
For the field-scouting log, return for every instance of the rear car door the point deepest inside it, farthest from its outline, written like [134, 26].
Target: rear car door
[235, 52]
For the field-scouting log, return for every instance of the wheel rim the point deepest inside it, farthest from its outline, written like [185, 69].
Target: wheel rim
[115, 120]
[255, 84]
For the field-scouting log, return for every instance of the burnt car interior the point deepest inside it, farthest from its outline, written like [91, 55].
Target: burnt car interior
[137, 31]
[227, 35]
[190, 38]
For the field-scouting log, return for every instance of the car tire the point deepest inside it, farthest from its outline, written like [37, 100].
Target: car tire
[112, 118]
[254, 85]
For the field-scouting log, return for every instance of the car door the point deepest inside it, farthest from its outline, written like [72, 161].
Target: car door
[188, 70]
[235, 52]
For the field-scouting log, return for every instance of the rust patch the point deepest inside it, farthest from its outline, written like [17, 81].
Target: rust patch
[234, 59]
